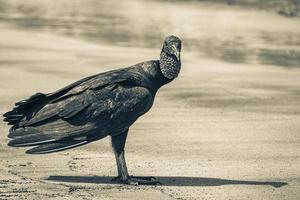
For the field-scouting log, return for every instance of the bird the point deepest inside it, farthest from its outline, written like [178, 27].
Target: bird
[101, 105]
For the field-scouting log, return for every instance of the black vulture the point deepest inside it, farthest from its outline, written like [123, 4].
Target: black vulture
[106, 104]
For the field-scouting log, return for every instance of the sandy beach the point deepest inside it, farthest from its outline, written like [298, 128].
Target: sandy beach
[220, 131]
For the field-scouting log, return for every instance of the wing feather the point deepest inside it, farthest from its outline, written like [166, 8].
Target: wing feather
[57, 146]
[26, 109]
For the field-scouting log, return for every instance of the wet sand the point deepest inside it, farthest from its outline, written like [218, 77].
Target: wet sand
[220, 131]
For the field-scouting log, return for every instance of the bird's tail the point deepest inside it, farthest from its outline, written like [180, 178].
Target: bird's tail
[25, 108]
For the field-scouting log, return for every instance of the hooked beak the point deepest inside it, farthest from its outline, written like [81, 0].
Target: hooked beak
[176, 52]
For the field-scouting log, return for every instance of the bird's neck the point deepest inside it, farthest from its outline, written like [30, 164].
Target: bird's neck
[154, 74]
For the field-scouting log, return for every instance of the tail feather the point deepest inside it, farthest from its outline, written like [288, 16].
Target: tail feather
[24, 104]
[56, 146]
[25, 108]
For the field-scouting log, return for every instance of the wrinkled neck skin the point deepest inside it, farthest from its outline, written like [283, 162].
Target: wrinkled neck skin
[169, 66]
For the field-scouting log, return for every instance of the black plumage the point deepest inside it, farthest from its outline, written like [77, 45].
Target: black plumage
[106, 104]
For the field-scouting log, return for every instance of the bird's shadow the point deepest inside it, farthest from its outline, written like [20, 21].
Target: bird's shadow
[168, 181]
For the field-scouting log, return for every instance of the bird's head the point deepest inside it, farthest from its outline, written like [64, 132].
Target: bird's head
[170, 63]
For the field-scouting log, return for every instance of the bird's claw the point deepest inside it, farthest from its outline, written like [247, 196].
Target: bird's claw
[138, 180]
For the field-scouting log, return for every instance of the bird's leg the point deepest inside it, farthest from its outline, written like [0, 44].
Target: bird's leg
[122, 167]
[118, 143]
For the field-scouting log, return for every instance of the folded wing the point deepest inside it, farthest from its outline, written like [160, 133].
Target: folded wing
[78, 114]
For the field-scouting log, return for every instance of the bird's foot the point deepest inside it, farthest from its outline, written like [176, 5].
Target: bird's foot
[137, 180]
